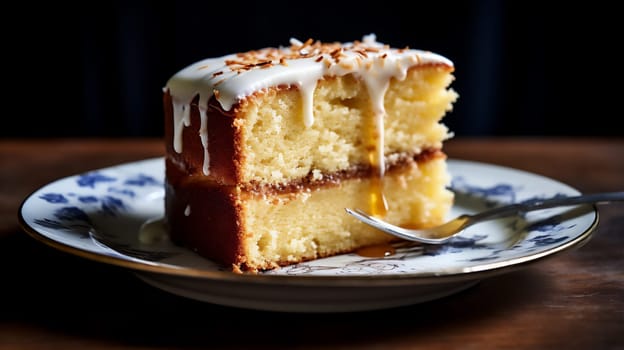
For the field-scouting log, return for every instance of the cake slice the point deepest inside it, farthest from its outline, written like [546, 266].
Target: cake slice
[265, 149]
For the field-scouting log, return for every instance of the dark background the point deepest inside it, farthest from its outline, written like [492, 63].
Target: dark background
[522, 67]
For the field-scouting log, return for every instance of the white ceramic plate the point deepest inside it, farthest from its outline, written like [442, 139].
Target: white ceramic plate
[110, 215]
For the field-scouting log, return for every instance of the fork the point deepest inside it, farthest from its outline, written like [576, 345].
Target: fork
[445, 232]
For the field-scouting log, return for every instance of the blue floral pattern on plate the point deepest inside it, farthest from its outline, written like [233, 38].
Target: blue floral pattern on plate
[101, 214]
[87, 211]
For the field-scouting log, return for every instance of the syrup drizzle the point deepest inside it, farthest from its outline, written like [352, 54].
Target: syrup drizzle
[378, 205]
[376, 251]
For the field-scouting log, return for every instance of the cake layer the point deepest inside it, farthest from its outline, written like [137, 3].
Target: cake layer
[308, 109]
[252, 230]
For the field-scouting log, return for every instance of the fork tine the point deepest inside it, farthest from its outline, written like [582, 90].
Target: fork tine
[384, 226]
[407, 234]
[445, 232]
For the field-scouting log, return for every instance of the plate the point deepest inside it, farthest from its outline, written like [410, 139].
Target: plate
[114, 215]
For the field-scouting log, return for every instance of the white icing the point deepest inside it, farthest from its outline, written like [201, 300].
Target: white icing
[203, 135]
[370, 60]
[152, 231]
[181, 118]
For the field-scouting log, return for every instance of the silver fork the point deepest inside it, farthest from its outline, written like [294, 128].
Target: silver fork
[443, 233]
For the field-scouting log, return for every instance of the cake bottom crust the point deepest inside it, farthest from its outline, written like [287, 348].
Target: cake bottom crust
[252, 232]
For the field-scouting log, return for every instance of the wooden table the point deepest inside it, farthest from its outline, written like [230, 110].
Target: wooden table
[52, 299]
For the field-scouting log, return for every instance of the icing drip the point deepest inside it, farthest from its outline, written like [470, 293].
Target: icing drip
[203, 135]
[181, 119]
[306, 89]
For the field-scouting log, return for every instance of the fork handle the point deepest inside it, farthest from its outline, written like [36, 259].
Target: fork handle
[537, 204]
